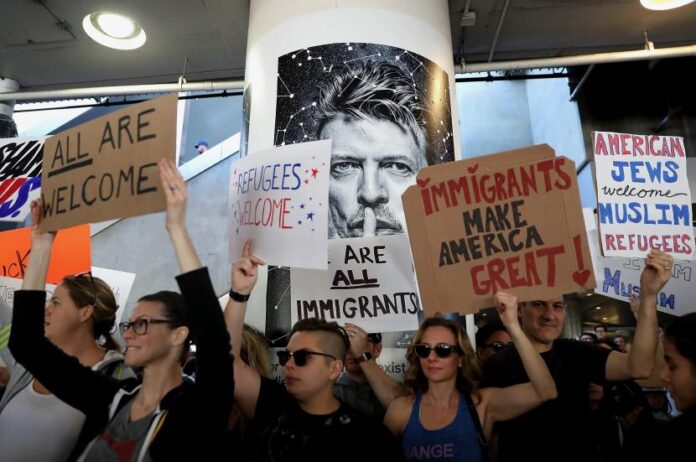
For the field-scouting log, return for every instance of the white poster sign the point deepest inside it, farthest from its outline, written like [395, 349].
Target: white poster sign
[279, 197]
[20, 176]
[121, 284]
[8, 287]
[370, 282]
[618, 278]
[643, 195]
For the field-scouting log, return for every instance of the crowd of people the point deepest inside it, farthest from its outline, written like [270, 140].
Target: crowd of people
[524, 393]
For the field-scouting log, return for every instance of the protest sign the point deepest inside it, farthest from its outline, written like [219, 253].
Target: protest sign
[510, 221]
[369, 282]
[643, 195]
[20, 176]
[70, 254]
[107, 168]
[121, 284]
[279, 197]
[619, 278]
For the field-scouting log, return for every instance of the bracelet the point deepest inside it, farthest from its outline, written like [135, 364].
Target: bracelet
[237, 297]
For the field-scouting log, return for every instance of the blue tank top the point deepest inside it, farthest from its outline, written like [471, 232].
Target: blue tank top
[458, 441]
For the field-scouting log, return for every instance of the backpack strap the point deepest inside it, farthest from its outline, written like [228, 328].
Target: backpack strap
[483, 444]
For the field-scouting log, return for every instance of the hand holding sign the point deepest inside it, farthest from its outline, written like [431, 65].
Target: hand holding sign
[245, 272]
[657, 271]
[506, 305]
[358, 339]
[39, 240]
[176, 193]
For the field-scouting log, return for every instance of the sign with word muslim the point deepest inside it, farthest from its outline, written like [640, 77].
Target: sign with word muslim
[20, 176]
[510, 221]
[643, 195]
[369, 282]
[279, 197]
[619, 278]
[107, 168]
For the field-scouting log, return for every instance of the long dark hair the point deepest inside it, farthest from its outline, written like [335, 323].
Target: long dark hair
[682, 332]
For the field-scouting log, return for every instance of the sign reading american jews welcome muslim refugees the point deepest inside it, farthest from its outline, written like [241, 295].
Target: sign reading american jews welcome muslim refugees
[20, 176]
[643, 195]
[510, 221]
[279, 197]
[370, 282]
[107, 168]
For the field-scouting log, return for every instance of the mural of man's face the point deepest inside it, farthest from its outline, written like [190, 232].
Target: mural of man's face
[373, 161]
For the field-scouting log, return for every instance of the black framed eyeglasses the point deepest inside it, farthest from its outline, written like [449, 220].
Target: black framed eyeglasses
[300, 356]
[141, 326]
[442, 350]
[497, 346]
[88, 275]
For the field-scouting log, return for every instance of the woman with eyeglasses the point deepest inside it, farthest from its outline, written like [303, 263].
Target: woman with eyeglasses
[448, 417]
[78, 319]
[167, 417]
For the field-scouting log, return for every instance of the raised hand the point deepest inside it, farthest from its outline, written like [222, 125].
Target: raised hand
[175, 191]
[358, 339]
[506, 305]
[245, 272]
[39, 239]
[657, 271]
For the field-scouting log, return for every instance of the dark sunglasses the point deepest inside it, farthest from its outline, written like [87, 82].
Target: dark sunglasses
[497, 346]
[141, 326]
[442, 350]
[88, 276]
[300, 356]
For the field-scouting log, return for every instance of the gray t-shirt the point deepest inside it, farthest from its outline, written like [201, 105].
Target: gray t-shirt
[358, 395]
[122, 440]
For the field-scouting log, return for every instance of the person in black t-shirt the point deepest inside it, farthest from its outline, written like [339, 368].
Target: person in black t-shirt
[303, 420]
[559, 429]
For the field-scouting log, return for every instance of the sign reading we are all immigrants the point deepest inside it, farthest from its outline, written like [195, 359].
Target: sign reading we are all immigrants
[643, 195]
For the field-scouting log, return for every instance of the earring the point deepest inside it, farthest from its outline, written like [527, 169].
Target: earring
[101, 341]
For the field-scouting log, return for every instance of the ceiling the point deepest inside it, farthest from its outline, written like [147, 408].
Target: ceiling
[206, 39]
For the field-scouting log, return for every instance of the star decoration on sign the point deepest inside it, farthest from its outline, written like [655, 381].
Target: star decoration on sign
[315, 172]
[310, 216]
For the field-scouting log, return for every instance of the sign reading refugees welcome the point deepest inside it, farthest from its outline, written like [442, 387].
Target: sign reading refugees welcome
[107, 168]
[643, 195]
[369, 282]
[20, 176]
[279, 197]
[510, 221]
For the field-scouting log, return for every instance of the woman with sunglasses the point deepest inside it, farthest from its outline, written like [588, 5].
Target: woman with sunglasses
[167, 417]
[78, 319]
[448, 417]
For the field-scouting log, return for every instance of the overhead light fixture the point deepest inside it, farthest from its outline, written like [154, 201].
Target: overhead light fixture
[664, 4]
[114, 30]
[598, 308]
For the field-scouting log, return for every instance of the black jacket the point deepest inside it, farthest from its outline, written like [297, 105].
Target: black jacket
[196, 414]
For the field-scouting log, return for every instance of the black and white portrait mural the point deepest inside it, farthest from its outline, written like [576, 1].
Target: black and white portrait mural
[386, 110]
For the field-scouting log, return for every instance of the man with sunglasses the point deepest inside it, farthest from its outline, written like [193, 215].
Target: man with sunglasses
[490, 339]
[563, 424]
[302, 420]
[364, 385]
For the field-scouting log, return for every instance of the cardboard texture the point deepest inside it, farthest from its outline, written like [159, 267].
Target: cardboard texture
[107, 168]
[70, 255]
[510, 221]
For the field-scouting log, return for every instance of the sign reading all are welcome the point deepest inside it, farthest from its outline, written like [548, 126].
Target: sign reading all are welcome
[643, 195]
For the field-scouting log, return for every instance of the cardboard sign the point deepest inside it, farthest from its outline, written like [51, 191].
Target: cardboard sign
[643, 195]
[279, 197]
[510, 221]
[20, 176]
[107, 168]
[370, 283]
[70, 255]
[618, 278]
[121, 284]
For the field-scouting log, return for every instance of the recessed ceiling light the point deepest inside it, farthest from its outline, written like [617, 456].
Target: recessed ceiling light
[664, 4]
[114, 30]
[604, 318]
[598, 308]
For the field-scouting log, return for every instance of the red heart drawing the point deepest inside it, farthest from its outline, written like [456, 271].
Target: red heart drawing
[472, 169]
[581, 277]
[423, 183]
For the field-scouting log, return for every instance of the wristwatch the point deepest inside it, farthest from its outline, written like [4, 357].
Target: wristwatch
[237, 297]
[363, 357]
